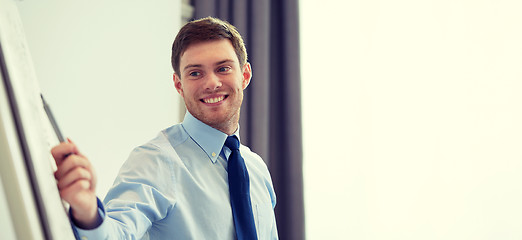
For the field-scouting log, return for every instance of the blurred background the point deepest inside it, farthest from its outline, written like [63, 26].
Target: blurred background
[410, 111]
[412, 115]
[104, 68]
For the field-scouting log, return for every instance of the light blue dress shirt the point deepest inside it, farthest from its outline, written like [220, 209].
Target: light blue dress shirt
[176, 187]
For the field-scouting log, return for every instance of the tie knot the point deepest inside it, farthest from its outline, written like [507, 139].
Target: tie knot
[232, 142]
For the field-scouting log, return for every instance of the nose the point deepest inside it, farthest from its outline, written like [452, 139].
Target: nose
[213, 82]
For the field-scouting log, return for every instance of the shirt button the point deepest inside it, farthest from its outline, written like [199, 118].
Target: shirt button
[213, 154]
[84, 238]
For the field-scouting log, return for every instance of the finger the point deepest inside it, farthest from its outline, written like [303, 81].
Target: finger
[77, 151]
[74, 175]
[93, 177]
[70, 163]
[72, 193]
[61, 151]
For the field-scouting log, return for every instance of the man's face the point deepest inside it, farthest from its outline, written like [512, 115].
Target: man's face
[211, 82]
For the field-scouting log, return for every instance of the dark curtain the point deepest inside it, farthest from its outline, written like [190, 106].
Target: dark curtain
[271, 112]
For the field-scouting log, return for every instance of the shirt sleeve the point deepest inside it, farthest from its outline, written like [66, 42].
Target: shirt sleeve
[141, 195]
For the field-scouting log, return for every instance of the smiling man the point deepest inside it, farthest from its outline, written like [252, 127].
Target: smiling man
[194, 180]
[213, 83]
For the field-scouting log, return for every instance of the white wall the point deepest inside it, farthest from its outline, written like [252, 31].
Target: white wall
[412, 119]
[104, 67]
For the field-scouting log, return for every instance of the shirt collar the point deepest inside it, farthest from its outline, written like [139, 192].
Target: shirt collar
[208, 138]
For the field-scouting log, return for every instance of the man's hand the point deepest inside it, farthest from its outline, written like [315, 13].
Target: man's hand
[76, 183]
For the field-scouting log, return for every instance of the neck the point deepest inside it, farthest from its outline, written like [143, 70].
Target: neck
[228, 127]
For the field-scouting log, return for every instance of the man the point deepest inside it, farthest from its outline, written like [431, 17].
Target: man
[183, 183]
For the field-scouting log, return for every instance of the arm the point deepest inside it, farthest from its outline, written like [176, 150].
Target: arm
[142, 193]
[135, 201]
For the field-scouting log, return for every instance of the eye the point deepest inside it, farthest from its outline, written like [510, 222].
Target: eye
[194, 74]
[224, 69]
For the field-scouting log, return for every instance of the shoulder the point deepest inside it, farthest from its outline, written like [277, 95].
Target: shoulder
[155, 157]
[165, 142]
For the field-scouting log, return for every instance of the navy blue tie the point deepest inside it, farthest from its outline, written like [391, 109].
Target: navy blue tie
[239, 187]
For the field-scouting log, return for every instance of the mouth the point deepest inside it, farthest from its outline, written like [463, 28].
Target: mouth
[213, 100]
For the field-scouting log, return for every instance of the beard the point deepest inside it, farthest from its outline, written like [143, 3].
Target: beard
[224, 117]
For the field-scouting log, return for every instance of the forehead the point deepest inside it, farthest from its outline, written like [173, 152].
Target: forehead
[208, 52]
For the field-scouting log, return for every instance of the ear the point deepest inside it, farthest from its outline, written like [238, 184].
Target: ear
[247, 75]
[177, 84]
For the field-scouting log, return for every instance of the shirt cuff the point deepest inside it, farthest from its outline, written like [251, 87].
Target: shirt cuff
[98, 232]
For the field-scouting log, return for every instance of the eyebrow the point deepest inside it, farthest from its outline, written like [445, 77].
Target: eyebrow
[215, 64]
[224, 61]
[192, 66]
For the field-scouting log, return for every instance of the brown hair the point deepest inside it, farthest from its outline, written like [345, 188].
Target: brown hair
[206, 29]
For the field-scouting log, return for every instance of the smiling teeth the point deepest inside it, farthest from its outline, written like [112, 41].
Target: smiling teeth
[214, 100]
